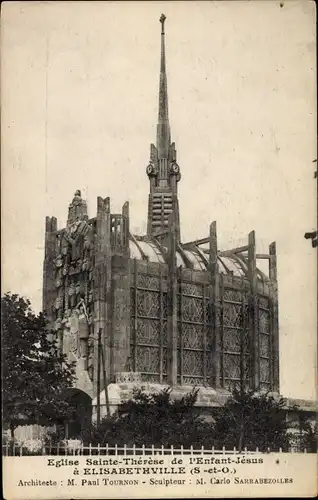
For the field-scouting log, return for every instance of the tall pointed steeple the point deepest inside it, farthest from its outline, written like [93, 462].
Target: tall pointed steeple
[163, 171]
[163, 127]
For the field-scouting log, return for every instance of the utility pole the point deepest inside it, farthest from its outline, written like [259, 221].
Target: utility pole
[98, 375]
[105, 381]
[242, 347]
[244, 365]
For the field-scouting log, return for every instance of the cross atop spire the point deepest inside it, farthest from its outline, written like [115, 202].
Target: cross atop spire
[162, 20]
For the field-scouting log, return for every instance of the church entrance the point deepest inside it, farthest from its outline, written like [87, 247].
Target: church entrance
[82, 413]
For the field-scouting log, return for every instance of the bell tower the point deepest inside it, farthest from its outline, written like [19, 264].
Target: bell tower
[163, 170]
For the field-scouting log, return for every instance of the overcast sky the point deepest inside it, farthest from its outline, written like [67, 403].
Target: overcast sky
[79, 110]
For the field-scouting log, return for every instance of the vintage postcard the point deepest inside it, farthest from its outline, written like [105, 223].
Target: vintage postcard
[159, 249]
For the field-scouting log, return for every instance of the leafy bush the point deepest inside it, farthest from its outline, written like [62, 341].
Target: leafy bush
[154, 419]
[252, 420]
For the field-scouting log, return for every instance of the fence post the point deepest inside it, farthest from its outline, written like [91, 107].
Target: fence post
[98, 449]
[256, 449]
[162, 450]
[116, 451]
[58, 448]
[191, 448]
[90, 448]
[213, 450]
[245, 450]
[280, 450]
[171, 448]
[234, 450]
[152, 449]
[134, 450]
[13, 449]
[223, 450]
[143, 449]
[125, 453]
[182, 450]
[106, 448]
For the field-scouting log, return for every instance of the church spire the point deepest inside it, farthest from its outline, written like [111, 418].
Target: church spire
[163, 171]
[163, 127]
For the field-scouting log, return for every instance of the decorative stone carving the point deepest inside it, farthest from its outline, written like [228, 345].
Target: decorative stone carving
[128, 377]
[66, 318]
[83, 333]
[79, 236]
[66, 325]
[73, 274]
[86, 265]
[59, 261]
[77, 209]
[69, 338]
[57, 324]
[77, 198]
[58, 303]
[88, 238]
[73, 270]
[79, 330]
[66, 269]
[58, 283]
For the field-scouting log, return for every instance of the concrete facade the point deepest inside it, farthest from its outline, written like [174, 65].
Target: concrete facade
[178, 313]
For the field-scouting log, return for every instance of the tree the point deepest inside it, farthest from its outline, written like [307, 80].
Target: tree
[35, 372]
[155, 419]
[308, 434]
[251, 420]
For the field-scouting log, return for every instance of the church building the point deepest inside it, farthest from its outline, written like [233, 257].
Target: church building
[153, 308]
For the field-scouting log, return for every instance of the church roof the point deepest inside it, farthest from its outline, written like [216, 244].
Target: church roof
[232, 265]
